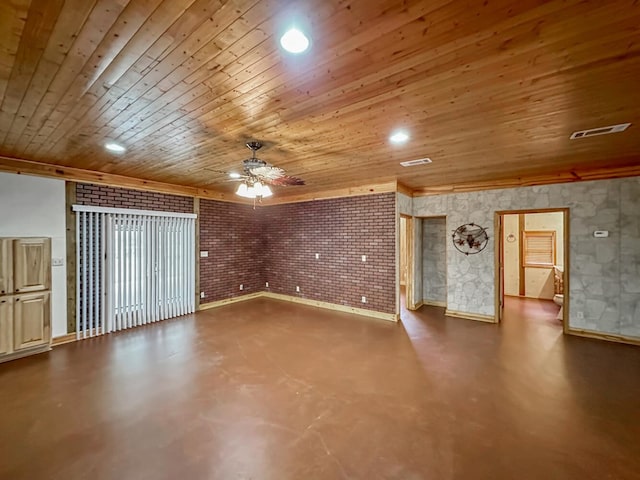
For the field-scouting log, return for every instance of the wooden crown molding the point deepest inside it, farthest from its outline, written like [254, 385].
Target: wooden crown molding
[28, 167]
[369, 189]
[577, 175]
[402, 188]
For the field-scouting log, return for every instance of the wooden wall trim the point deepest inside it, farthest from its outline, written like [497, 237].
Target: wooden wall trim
[609, 337]
[369, 189]
[434, 303]
[304, 301]
[28, 167]
[402, 188]
[229, 301]
[470, 316]
[568, 177]
[521, 270]
[332, 306]
[63, 339]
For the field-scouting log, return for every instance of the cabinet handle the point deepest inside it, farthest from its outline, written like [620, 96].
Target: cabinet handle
[17, 289]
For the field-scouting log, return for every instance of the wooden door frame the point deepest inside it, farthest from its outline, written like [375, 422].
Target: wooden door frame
[499, 261]
[409, 284]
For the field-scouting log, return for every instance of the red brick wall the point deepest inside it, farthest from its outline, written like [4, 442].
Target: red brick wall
[115, 197]
[341, 231]
[278, 244]
[232, 234]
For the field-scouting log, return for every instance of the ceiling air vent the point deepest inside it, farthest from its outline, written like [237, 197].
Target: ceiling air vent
[600, 131]
[413, 163]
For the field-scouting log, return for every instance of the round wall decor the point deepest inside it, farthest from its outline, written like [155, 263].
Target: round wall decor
[470, 238]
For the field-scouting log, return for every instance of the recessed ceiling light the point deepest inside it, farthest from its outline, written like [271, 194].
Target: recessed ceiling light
[114, 147]
[399, 137]
[234, 175]
[294, 41]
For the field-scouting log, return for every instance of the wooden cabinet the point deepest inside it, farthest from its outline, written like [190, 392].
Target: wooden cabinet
[31, 264]
[6, 325]
[31, 320]
[25, 311]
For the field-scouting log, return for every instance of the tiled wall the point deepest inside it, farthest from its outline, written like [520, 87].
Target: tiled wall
[340, 231]
[434, 261]
[604, 272]
[231, 234]
[114, 197]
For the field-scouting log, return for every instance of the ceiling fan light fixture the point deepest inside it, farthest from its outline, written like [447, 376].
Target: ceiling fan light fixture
[257, 190]
[294, 41]
[243, 190]
[266, 191]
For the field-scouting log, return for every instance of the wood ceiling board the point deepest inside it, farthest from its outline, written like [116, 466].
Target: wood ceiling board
[184, 84]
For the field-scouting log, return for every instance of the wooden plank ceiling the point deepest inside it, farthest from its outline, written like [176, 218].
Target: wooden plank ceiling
[489, 90]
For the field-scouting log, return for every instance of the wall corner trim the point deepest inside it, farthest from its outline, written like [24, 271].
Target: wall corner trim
[333, 306]
[435, 303]
[62, 339]
[402, 188]
[470, 316]
[392, 317]
[229, 301]
[609, 337]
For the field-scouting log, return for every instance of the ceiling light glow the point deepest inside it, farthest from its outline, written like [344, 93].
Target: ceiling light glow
[399, 137]
[294, 41]
[114, 147]
[234, 175]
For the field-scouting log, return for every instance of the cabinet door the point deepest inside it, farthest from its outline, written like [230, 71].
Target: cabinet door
[6, 266]
[31, 264]
[6, 325]
[31, 320]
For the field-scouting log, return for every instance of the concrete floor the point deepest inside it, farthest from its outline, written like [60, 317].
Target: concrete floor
[270, 390]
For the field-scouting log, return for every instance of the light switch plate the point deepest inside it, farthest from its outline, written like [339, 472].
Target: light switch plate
[204, 254]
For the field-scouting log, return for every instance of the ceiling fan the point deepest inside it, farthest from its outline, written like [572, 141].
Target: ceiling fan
[258, 175]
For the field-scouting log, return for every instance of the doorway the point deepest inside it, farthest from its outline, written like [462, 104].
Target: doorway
[406, 280]
[532, 253]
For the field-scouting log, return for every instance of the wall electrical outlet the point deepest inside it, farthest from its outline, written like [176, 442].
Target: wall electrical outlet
[364, 258]
[364, 299]
[317, 256]
[297, 288]
[241, 287]
[580, 315]
[57, 262]
[266, 284]
[202, 295]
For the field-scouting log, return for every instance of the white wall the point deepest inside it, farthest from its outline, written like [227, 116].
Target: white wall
[35, 207]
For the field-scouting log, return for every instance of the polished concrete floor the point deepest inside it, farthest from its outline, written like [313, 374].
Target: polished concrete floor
[270, 390]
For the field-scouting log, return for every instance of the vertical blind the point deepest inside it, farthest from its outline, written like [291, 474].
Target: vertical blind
[133, 267]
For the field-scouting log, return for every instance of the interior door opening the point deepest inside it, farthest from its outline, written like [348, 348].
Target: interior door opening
[532, 255]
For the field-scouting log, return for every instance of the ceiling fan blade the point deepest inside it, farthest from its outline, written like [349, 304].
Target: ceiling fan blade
[267, 172]
[287, 180]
